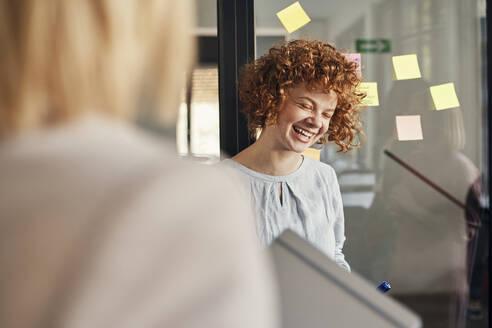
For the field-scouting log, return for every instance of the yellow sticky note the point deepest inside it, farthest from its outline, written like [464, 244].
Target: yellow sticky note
[371, 91]
[313, 153]
[444, 96]
[293, 17]
[406, 67]
[408, 127]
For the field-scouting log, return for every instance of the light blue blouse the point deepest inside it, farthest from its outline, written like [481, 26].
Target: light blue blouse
[311, 205]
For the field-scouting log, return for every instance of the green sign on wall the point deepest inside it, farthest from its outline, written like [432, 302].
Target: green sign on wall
[373, 46]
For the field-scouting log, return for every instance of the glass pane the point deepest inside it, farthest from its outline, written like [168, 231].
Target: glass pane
[205, 139]
[182, 129]
[412, 207]
[197, 130]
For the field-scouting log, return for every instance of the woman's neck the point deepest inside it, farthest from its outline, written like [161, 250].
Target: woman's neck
[264, 158]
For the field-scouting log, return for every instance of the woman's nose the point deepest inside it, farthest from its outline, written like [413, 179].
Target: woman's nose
[316, 120]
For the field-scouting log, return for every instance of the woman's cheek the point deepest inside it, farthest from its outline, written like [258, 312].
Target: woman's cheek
[325, 127]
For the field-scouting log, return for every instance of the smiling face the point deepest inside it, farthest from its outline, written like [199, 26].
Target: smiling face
[303, 119]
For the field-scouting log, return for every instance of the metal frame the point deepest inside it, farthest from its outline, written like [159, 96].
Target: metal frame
[488, 137]
[236, 36]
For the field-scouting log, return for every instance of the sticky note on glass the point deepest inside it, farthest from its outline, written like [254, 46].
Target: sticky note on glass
[293, 17]
[406, 67]
[371, 91]
[408, 127]
[444, 96]
[355, 57]
[313, 153]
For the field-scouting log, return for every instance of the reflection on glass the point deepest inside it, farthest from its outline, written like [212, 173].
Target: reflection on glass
[398, 227]
[203, 124]
[198, 122]
[205, 112]
[182, 130]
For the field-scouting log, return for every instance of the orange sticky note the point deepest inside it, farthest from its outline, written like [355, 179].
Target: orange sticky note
[444, 96]
[313, 153]
[293, 17]
[371, 91]
[406, 67]
[408, 127]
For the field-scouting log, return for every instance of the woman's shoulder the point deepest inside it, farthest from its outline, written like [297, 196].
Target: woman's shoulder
[228, 162]
[323, 168]
[242, 169]
[231, 167]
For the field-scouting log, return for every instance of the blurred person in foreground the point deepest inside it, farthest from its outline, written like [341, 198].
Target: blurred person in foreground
[100, 225]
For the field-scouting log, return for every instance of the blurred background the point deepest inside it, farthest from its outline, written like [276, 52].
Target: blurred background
[433, 250]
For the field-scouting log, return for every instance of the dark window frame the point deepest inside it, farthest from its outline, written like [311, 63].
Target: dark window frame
[488, 135]
[236, 43]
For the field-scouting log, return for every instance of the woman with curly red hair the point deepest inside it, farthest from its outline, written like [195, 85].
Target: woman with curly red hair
[298, 94]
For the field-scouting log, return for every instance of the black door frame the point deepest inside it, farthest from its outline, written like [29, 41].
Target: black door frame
[236, 39]
[488, 137]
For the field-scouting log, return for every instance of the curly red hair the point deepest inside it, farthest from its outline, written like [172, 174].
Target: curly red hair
[265, 83]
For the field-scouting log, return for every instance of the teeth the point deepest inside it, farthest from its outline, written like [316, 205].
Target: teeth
[303, 132]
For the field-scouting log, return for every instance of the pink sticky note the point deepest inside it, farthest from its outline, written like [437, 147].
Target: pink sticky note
[408, 127]
[355, 57]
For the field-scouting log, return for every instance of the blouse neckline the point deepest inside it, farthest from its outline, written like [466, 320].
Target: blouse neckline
[268, 177]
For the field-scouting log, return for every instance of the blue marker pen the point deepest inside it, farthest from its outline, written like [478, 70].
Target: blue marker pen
[384, 287]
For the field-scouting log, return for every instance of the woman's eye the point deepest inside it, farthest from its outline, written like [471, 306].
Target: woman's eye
[328, 115]
[305, 106]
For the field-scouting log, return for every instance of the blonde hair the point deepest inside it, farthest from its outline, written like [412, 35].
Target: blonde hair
[62, 58]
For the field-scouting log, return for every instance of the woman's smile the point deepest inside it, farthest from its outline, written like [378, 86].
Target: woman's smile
[302, 134]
